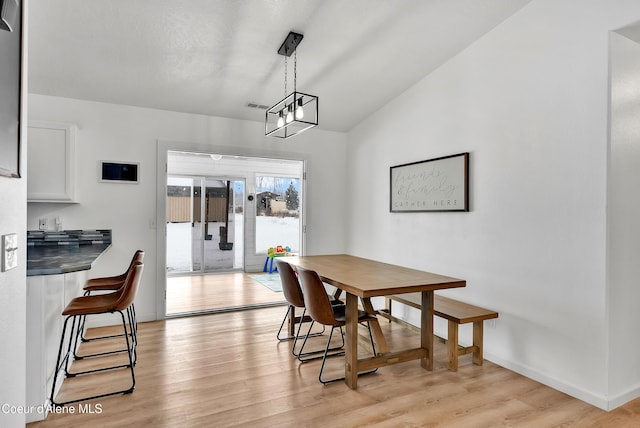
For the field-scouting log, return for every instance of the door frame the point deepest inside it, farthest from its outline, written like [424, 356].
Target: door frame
[162, 149]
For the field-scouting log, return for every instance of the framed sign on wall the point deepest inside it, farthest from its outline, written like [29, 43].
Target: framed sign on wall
[439, 184]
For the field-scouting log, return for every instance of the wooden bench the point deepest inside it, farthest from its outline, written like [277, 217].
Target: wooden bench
[455, 313]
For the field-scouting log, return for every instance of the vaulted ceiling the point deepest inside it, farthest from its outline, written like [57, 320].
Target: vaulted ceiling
[214, 57]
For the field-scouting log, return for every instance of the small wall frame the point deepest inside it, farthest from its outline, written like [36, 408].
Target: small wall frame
[439, 184]
[119, 172]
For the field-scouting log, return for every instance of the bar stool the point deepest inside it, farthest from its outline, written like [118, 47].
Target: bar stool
[118, 301]
[112, 283]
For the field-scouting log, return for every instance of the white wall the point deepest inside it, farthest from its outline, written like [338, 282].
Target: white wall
[529, 101]
[624, 219]
[123, 133]
[13, 284]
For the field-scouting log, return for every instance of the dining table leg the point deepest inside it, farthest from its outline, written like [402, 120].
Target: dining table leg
[351, 342]
[426, 329]
[378, 337]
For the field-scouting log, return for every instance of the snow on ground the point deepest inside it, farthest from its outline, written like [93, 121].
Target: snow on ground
[183, 251]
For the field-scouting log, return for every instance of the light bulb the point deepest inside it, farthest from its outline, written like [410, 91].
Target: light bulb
[289, 117]
[280, 122]
[299, 110]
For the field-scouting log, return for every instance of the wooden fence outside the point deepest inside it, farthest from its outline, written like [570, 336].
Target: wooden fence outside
[179, 210]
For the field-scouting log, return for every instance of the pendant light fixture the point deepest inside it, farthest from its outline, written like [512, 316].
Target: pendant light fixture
[297, 111]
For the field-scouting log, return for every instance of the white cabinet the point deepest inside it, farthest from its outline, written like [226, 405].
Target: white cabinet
[51, 162]
[47, 296]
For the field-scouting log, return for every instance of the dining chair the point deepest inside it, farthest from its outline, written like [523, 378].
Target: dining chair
[319, 308]
[80, 307]
[293, 294]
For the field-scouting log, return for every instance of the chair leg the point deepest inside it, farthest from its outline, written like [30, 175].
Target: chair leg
[303, 357]
[59, 363]
[76, 356]
[130, 352]
[131, 332]
[286, 317]
[73, 343]
[324, 357]
[290, 316]
[133, 328]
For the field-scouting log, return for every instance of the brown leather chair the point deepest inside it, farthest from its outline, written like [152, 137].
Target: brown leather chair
[112, 283]
[319, 308]
[293, 294]
[119, 301]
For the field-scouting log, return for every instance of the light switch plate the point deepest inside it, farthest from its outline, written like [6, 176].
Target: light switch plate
[9, 251]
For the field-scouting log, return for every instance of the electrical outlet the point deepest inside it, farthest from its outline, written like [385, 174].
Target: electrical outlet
[42, 224]
[491, 323]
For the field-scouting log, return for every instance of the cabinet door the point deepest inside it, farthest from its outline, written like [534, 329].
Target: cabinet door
[51, 162]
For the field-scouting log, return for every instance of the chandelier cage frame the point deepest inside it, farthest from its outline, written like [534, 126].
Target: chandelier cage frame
[300, 109]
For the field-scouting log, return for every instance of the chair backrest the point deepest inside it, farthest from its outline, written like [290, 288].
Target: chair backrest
[316, 299]
[130, 287]
[138, 257]
[290, 285]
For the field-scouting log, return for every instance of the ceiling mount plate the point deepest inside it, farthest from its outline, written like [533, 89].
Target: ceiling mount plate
[290, 44]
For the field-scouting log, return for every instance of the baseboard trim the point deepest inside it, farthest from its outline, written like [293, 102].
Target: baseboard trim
[599, 401]
[625, 397]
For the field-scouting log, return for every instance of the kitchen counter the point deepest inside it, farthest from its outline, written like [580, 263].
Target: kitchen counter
[58, 265]
[54, 253]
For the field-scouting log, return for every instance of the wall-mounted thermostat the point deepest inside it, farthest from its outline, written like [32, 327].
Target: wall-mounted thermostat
[119, 171]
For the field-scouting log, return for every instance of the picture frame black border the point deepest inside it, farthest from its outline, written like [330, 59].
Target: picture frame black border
[16, 173]
[103, 179]
[465, 208]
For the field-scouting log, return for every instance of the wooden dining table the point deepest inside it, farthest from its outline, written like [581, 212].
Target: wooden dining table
[363, 279]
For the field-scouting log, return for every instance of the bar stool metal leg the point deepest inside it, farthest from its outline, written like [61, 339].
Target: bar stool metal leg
[64, 361]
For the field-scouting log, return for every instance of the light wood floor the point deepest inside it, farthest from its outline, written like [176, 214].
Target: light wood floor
[227, 369]
[216, 291]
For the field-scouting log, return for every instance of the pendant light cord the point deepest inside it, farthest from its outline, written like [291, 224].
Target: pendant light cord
[285, 76]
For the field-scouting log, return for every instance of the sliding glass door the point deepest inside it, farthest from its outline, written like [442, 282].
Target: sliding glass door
[205, 223]
[223, 213]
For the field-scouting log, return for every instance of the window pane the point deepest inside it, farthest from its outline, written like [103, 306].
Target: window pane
[277, 213]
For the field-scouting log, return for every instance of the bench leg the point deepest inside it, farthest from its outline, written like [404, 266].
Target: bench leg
[452, 346]
[387, 306]
[477, 342]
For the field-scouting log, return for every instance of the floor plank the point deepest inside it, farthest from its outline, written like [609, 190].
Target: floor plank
[194, 293]
[228, 369]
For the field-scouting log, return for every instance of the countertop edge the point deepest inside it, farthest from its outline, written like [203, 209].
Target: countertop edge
[65, 268]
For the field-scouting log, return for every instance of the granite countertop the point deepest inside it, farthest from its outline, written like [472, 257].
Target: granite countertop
[54, 253]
